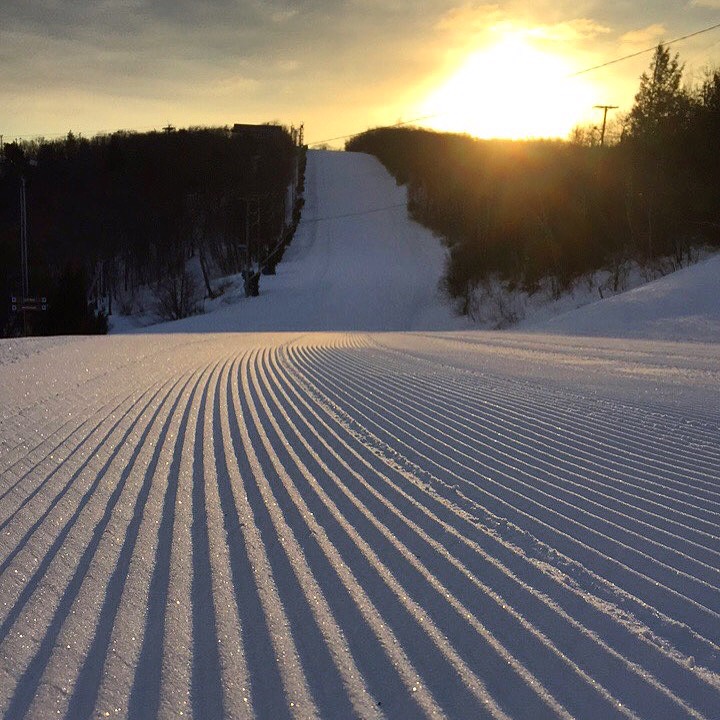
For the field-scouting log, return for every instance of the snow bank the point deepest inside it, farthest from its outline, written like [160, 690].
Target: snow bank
[683, 306]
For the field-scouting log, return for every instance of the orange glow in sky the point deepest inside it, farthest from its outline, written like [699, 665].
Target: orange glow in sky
[511, 89]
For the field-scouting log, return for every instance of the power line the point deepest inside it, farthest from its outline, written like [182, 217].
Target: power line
[642, 52]
[397, 124]
[359, 213]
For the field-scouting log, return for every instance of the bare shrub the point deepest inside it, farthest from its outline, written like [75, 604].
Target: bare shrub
[177, 297]
[495, 304]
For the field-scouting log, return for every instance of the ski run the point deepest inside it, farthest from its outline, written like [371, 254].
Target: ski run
[239, 515]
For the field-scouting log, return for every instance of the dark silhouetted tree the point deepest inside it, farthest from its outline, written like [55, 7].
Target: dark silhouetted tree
[661, 106]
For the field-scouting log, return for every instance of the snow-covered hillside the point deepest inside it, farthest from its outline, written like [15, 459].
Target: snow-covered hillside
[683, 306]
[439, 523]
[357, 262]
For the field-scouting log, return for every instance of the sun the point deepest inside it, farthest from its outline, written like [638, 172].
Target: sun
[511, 89]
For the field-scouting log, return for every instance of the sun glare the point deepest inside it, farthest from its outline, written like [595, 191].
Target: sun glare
[511, 90]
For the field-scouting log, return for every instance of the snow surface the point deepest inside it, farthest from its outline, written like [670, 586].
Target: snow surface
[358, 524]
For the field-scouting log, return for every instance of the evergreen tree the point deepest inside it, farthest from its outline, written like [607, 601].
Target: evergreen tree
[661, 105]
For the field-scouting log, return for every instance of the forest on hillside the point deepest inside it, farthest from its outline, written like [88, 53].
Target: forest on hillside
[531, 211]
[109, 215]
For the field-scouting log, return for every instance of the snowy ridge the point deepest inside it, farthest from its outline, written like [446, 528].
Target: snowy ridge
[325, 525]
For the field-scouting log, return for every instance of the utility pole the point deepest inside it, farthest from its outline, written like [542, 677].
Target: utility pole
[24, 273]
[605, 109]
[25, 303]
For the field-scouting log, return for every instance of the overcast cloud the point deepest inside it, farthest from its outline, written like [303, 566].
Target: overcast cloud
[339, 65]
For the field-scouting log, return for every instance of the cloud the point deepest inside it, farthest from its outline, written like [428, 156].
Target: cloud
[231, 85]
[644, 37]
[470, 17]
[281, 16]
[342, 62]
[128, 61]
[466, 28]
[473, 19]
[577, 30]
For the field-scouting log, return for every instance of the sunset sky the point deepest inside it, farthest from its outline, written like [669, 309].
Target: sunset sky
[492, 69]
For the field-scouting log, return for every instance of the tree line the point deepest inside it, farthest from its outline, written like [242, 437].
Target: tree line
[525, 211]
[118, 212]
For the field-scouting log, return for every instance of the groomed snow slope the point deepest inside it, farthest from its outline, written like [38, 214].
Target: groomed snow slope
[338, 525]
[356, 263]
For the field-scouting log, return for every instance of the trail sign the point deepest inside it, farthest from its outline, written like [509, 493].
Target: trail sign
[30, 304]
